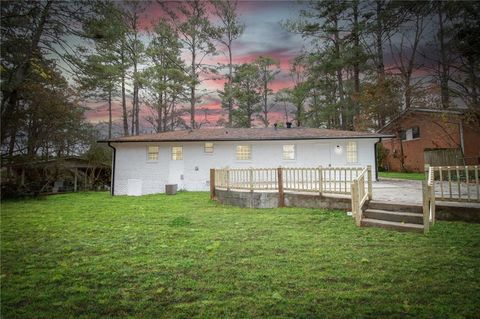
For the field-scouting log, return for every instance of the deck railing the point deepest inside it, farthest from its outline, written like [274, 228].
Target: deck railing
[455, 183]
[428, 195]
[360, 194]
[333, 180]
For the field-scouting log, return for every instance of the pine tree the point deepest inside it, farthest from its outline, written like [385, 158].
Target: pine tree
[247, 88]
[191, 21]
[230, 29]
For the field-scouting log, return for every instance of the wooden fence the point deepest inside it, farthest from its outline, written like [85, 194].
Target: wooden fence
[455, 183]
[330, 180]
[443, 157]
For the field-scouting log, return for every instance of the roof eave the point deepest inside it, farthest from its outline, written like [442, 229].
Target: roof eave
[246, 140]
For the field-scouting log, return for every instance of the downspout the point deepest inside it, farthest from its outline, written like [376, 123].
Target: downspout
[462, 142]
[375, 157]
[112, 188]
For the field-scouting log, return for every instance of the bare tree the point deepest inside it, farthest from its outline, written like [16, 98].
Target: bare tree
[230, 29]
[191, 21]
[405, 54]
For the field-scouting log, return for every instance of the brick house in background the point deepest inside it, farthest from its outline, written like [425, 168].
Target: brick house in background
[430, 136]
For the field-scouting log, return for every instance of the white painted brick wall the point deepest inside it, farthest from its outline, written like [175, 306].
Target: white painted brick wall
[131, 161]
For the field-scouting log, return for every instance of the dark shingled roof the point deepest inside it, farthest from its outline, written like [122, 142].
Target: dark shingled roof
[247, 134]
[388, 127]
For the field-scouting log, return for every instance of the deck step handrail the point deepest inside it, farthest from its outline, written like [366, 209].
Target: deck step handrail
[360, 194]
[428, 196]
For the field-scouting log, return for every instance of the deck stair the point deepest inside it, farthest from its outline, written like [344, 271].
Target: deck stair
[396, 216]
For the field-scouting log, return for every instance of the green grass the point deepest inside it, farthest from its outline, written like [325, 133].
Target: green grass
[398, 175]
[90, 255]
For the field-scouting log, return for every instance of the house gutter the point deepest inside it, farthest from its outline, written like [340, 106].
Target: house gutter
[462, 142]
[112, 191]
[246, 140]
[375, 157]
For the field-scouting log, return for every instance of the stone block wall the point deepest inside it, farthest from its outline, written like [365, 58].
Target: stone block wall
[270, 200]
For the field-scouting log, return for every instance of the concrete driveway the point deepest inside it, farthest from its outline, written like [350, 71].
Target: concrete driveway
[397, 191]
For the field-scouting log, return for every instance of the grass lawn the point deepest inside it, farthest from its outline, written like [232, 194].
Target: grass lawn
[411, 176]
[88, 255]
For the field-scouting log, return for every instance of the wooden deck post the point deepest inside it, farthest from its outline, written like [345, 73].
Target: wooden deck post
[281, 195]
[320, 180]
[355, 209]
[212, 183]
[426, 208]
[251, 179]
[227, 178]
[369, 175]
[425, 169]
[432, 200]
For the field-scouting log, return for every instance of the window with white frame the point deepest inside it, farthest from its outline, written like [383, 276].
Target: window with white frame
[415, 132]
[177, 153]
[152, 153]
[352, 154]
[244, 152]
[288, 152]
[410, 134]
[208, 148]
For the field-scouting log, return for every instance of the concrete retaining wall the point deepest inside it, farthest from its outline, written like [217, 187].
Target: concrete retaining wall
[450, 212]
[270, 200]
[457, 212]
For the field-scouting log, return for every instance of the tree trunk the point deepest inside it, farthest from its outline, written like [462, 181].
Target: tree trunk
[340, 77]
[265, 97]
[408, 93]
[10, 96]
[109, 113]
[158, 127]
[11, 144]
[137, 111]
[230, 77]
[444, 76]
[473, 82]
[136, 103]
[379, 42]
[299, 114]
[356, 64]
[132, 128]
[192, 88]
[172, 118]
[31, 139]
[124, 103]
[135, 98]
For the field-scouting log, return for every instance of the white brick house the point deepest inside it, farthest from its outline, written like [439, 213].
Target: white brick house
[145, 164]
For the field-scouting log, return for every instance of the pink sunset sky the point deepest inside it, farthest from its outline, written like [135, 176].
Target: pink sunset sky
[263, 36]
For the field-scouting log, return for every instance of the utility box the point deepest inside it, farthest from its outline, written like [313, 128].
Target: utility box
[171, 189]
[134, 187]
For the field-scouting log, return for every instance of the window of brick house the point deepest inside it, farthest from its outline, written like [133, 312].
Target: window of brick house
[409, 134]
[415, 132]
